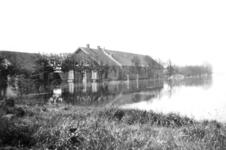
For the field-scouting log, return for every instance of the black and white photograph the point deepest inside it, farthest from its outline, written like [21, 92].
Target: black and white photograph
[112, 75]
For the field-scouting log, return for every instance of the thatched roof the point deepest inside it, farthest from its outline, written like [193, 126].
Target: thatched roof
[114, 58]
[22, 60]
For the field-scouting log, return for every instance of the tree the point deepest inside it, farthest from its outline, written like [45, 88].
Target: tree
[102, 69]
[136, 65]
[42, 64]
[207, 68]
[170, 69]
[6, 68]
[196, 70]
[68, 64]
[153, 65]
[3, 68]
[56, 60]
[78, 64]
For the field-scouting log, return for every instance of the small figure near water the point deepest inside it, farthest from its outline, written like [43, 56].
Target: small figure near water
[56, 97]
[55, 100]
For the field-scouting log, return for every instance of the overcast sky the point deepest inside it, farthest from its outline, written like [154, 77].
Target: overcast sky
[187, 32]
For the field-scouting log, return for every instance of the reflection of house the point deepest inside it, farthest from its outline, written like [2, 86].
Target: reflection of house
[111, 94]
[123, 65]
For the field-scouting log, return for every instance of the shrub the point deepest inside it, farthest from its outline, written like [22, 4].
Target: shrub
[16, 133]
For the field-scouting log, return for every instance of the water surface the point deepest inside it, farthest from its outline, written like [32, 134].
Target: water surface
[197, 97]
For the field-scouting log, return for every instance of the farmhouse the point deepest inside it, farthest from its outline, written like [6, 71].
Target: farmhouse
[123, 65]
[25, 62]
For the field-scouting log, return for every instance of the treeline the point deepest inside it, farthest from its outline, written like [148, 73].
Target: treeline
[190, 70]
[13, 64]
[194, 70]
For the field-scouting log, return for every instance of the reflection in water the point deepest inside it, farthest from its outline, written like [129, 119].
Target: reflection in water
[94, 87]
[71, 87]
[38, 94]
[56, 97]
[112, 93]
[7, 91]
[172, 86]
[204, 82]
[197, 97]
[200, 98]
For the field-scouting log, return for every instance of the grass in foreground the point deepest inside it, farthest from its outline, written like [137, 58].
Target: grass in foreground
[108, 128]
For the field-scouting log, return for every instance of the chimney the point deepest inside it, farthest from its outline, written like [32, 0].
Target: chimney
[87, 45]
[98, 47]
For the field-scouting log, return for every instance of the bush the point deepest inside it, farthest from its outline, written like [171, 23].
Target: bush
[16, 133]
[26, 85]
[10, 102]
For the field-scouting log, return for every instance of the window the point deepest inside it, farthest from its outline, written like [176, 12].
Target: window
[94, 75]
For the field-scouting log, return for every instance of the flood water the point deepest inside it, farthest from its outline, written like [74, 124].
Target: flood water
[197, 97]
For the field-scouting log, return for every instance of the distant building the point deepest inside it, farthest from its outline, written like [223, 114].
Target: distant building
[22, 60]
[26, 62]
[125, 65]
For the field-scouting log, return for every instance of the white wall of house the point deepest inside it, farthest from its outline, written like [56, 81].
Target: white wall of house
[71, 88]
[94, 75]
[84, 78]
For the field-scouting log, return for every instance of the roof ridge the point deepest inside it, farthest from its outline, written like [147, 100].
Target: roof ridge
[126, 52]
[114, 51]
[92, 49]
[111, 57]
[16, 52]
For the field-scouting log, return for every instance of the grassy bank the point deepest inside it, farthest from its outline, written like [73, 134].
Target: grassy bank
[108, 128]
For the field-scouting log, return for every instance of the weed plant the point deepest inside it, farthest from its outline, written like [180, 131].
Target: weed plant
[108, 128]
